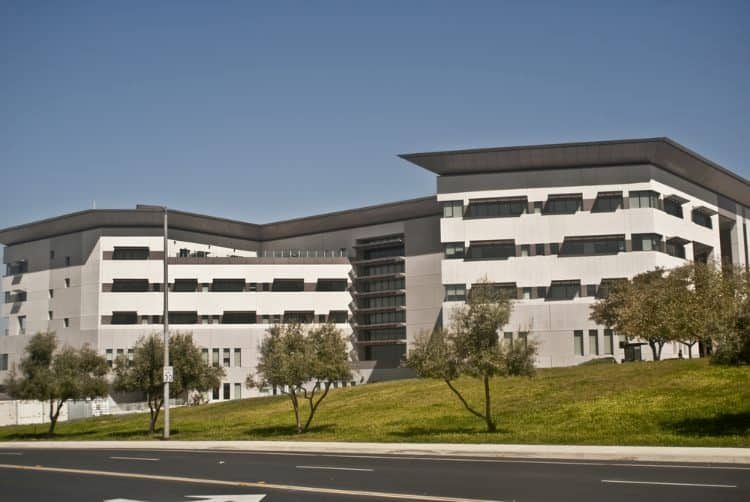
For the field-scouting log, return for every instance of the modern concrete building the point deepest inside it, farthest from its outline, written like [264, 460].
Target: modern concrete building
[550, 224]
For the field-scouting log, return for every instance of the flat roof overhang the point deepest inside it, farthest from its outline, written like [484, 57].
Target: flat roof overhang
[661, 152]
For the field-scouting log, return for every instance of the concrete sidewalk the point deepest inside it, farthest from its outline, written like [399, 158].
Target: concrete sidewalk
[556, 452]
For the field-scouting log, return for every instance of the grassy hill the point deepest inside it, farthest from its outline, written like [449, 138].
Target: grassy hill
[686, 402]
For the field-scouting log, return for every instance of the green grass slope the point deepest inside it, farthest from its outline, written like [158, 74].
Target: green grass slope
[687, 403]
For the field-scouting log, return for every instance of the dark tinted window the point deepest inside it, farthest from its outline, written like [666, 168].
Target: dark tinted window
[130, 285]
[646, 242]
[585, 247]
[497, 209]
[496, 251]
[562, 205]
[130, 253]
[185, 285]
[240, 317]
[124, 317]
[183, 317]
[673, 207]
[702, 219]
[607, 203]
[564, 291]
[331, 285]
[287, 285]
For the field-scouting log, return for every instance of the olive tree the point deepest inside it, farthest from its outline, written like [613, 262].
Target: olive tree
[302, 365]
[472, 348]
[144, 373]
[58, 376]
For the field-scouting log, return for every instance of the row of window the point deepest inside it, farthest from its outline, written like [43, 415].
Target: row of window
[225, 286]
[224, 357]
[570, 204]
[593, 342]
[385, 317]
[228, 317]
[382, 334]
[556, 291]
[577, 246]
[388, 268]
[383, 302]
[383, 285]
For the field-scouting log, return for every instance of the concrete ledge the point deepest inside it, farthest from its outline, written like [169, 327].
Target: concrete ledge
[703, 455]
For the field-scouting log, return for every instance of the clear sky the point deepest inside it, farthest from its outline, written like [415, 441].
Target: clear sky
[266, 111]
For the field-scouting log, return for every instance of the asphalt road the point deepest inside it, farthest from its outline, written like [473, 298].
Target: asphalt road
[181, 476]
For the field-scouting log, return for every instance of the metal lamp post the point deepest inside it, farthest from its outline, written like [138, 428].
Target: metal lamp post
[167, 373]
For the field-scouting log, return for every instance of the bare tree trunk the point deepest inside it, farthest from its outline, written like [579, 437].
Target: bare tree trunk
[295, 405]
[491, 427]
[53, 417]
[314, 407]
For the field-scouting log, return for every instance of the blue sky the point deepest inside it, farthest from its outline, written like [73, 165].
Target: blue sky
[266, 111]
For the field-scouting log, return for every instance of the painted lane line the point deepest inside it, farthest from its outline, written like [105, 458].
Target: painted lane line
[245, 484]
[600, 463]
[135, 458]
[665, 483]
[331, 468]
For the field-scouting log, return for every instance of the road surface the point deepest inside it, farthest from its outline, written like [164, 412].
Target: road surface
[220, 476]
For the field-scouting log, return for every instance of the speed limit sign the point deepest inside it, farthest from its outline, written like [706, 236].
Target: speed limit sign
[168, 375]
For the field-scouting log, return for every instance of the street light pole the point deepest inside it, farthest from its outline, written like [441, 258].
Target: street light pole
[166, 328]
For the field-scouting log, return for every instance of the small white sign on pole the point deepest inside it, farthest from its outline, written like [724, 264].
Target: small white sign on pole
[168, 375]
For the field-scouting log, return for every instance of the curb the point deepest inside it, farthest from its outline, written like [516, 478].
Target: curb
[704, 455]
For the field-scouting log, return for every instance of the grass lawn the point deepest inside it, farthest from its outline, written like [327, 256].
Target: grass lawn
[687, 402]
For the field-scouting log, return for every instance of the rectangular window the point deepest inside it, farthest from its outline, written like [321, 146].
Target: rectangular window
[492, 251]
[237, 358]
[591, 246]
[384, 285]
[239, 317]
[130, 253]
[183, 317]
[66, 322]
[590, 289]
[109, 357]
[22, 325]
[226, 360]
[525, 250]
[564, 291]
[51, 293]
[539, 249]
[67, 261]
[338, 316]
[185, 285]
[454, 250]
[607, 203]
[541, 292]
[49, 315]
[384, 301]
[644, 199]
[288, 285]
[608, 342]
[606, 286]
[387, 268]
[227, 388]
[702, 219]
[508, 338]
[593, 342]
[563, 204]
[125, 317]
[228, 285]
[238, 391]
[455, 292]
[130, 285]
[578, 342]
[497, 208]
[215, 357]
[675, 249]
[302, 317]
[554, 248]
[51, 254]
[331, 285]
[673, 207]
[3, 362]
[646, 242]
[453, 209]
[17, 267]
[215, 393]
[67, 282]
[204, 356]
[526, 295]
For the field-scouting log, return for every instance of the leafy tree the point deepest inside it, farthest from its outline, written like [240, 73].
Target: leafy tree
[58, 376]
[302, 366]
[635, 308]
[472, 348]
[144, 372]
[732, 338]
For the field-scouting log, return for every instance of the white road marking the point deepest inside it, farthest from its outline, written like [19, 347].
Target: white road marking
[136, 458]
[261, 485]
[331, 468]
[227, 498]
[665, 483]
[601, 463]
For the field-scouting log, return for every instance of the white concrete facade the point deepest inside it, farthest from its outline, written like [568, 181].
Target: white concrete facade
[384, 273]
